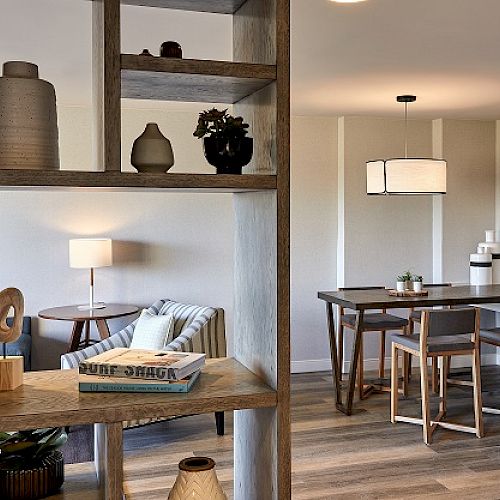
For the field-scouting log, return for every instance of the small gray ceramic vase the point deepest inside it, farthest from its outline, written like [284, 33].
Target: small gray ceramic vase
[152, 151]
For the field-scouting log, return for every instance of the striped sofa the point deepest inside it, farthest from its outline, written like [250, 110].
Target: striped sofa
[196, 329]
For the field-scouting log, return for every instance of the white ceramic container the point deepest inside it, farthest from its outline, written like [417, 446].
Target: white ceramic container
[481, 269]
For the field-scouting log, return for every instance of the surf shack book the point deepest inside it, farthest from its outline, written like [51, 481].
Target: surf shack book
[145, 364]
[97, 383]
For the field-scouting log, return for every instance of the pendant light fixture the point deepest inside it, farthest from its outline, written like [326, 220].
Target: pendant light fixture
[406, 175]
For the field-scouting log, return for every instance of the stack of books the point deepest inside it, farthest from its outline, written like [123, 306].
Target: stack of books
[140, 370]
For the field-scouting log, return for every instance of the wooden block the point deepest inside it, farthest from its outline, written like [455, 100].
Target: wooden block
[11, 372]
[408, 293]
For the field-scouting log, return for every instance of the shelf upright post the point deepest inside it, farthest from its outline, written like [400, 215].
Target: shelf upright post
[262, 267]
[106, 84]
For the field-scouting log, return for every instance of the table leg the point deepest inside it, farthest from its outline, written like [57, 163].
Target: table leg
[108, 446]
[102, 328]
[87, 333]
[75, 336]
[354, 361]
[333, 354]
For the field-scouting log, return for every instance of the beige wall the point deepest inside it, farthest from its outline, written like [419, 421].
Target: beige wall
[469, 205]
[163, 237]
[313, 235]
[168, 245]
[393, 231]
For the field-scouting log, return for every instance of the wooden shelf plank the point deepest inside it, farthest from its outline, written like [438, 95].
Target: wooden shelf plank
[191, 80]
[215, 6]
[51, 398]
[127, 181]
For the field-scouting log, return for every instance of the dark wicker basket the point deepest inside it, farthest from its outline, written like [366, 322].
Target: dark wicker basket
[38, 481]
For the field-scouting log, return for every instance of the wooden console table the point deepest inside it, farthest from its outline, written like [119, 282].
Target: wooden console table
[363, 300]
[51, 399]
[83, 317]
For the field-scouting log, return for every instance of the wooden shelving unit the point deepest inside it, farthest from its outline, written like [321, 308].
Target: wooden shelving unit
[215, 6]
[134, 181]
[54, 398]
[258, 85]
[189, 80]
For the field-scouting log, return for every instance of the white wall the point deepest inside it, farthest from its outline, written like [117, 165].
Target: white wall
[469, 205]
[168, 245]
[313, 235]
[377, 237]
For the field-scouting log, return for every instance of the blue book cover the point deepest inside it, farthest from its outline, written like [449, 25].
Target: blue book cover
[96, 383]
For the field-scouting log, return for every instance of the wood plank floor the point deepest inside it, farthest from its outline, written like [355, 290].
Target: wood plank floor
[334, 456]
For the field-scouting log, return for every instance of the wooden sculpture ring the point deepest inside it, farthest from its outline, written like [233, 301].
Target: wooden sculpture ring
[11, 297]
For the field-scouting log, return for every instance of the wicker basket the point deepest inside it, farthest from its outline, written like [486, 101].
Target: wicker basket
[40, 480]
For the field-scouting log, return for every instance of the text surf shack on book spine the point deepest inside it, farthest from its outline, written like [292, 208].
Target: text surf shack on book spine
[143, 364]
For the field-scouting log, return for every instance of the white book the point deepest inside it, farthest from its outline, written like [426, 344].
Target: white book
[143, 364]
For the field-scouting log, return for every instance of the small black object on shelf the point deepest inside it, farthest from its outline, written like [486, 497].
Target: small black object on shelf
[171, 49]
[145, 52]
[228, 155]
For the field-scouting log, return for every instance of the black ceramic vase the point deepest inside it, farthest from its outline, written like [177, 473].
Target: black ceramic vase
[228, 155]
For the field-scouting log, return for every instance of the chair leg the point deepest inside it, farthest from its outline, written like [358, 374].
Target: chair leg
[435, 376]
[219, 422]
[410, 331]
[424, 385]
[478, 401]
[381, 359]
[394, 383]
[361, 375]
[340, 351]
[443, 386]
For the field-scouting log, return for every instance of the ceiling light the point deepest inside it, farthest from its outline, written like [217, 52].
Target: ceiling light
[406, 175]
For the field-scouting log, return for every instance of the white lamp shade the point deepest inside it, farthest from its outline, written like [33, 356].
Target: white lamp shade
[406, 176]
[90, 252]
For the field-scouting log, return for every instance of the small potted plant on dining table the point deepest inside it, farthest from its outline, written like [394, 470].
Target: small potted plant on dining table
[225, 143]
[417, 283]
[403, 282]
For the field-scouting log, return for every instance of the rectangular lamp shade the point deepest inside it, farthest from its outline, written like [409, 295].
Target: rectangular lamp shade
[406, 176]
[90, 252]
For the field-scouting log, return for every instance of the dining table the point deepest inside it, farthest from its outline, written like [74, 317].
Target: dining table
[364, 300]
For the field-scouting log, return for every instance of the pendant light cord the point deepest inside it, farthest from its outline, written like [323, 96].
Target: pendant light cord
[406, 130]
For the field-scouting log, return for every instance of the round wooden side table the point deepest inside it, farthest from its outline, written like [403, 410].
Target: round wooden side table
[82, 318]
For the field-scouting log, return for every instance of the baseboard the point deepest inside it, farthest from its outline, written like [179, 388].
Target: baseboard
[311, 365]
[323, 365]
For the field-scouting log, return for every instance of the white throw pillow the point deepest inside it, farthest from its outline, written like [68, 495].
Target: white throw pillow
[152, 331]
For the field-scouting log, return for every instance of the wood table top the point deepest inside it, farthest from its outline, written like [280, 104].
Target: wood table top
[51, 398]
[438, 296]
[73, 313]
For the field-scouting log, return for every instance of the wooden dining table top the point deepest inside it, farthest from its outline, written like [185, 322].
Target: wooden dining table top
[438, 296]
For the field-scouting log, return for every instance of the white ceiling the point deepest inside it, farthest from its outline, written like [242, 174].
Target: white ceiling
[355, 58]
[346, 58]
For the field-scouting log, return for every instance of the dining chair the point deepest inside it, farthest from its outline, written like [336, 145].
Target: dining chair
[444, 333]
[414, 317]
[372, 322]
[490, 336]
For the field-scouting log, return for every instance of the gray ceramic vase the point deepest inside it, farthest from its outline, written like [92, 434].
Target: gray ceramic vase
[152, 151]
[28, 119]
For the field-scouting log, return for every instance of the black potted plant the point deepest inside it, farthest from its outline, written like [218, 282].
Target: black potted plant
[31, 466]
[225, 143]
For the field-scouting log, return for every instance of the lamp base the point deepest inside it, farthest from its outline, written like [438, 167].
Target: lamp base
[11, 372]
[95, 305]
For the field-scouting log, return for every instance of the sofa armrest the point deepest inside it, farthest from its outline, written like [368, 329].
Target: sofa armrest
[119, 339]
[206, 334]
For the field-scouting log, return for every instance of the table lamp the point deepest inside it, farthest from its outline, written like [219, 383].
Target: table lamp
[89, 253]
